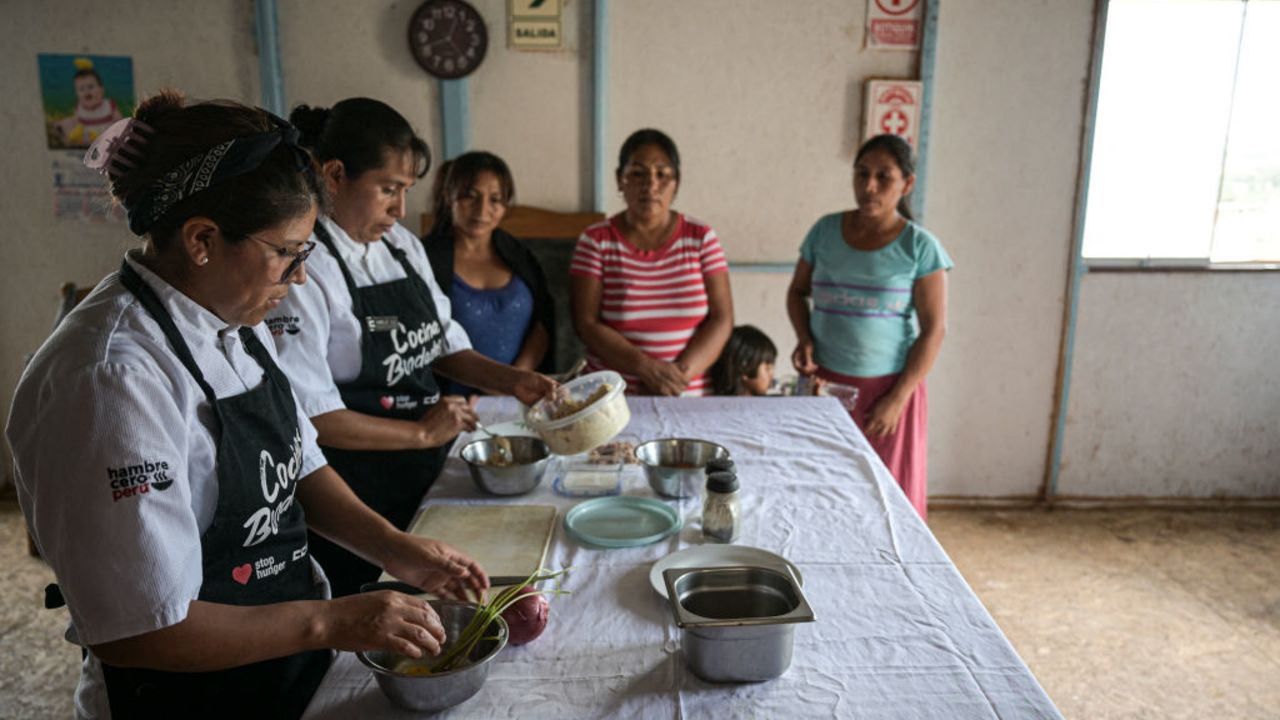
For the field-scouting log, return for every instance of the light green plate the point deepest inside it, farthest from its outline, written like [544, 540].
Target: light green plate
[621, 522]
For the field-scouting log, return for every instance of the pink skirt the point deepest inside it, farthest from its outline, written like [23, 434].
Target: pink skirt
[905, 450]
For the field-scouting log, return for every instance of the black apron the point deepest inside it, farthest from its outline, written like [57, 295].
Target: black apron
[254, 552]
[401, 335]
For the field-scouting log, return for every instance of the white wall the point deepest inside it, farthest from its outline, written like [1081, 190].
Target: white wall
[1175, 390]
[764, 99]
[215, 57]
[1011, 83]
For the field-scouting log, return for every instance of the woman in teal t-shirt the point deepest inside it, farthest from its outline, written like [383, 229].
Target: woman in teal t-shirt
[879, 309]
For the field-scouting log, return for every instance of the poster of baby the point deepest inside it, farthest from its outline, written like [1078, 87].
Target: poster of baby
[83, 95]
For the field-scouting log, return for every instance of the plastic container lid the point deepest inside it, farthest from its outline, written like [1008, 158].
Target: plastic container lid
[621, 522]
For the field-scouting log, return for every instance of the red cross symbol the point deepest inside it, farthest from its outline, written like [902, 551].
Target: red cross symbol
[895, 121]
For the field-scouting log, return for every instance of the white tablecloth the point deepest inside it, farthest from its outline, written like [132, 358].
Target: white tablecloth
[898, 633]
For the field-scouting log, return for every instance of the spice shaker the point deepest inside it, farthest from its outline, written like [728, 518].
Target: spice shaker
[721, 509]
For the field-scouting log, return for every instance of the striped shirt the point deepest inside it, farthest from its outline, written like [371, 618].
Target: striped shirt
[655, 299]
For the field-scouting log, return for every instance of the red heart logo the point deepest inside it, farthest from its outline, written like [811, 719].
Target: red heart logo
[387, 401]
[242, 573]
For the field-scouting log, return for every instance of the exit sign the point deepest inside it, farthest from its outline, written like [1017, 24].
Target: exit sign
[534, 25]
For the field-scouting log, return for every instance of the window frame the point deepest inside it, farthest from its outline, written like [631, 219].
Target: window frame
[1085, 264]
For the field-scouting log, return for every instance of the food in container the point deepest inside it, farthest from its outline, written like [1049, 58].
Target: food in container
[408, 683]
[674, 466]
[586, 413]
[506, 465]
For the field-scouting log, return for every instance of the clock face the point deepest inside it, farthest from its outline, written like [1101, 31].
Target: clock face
[448, 38]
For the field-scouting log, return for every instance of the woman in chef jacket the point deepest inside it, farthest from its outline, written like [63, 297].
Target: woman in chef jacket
[361, 341]
[162, 464]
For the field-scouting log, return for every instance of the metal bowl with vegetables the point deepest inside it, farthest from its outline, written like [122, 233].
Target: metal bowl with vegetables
[435, 683]
[474, 634]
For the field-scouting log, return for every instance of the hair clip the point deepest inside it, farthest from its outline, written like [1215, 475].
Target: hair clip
[127, 134]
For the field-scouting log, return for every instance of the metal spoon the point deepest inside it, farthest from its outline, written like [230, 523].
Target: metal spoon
[502, 444]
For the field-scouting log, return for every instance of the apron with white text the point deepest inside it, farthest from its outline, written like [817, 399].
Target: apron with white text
[254, 552]
[401, 335]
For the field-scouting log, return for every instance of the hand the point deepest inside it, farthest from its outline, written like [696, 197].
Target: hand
[446, 419]
[662, 378]
[882, 419]
[530, 387]
[802, 358]
[383, 620]
[435, 567]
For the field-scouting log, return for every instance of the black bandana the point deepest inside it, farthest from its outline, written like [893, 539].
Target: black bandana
[221, 162]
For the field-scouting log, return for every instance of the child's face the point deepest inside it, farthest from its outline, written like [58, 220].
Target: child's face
[758, 384]
[89, 91]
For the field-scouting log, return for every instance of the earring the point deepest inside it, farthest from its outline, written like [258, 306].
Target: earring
[204, 260]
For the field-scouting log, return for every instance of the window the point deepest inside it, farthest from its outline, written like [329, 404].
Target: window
[1185, 164]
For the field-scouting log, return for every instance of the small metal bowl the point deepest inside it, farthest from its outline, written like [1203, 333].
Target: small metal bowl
[446, 689]
[516, 471]
[675, 466]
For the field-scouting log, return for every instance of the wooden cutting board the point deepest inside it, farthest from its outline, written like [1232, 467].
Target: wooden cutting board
[504, 539]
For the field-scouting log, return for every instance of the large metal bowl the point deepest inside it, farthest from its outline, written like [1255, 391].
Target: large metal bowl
[675, 466]
[446, 689]
[507, 465]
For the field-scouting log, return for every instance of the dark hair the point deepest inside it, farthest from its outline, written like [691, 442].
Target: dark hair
[272, 193]
[746, 349]
[88, 72]
[360, 132]
[648, 136]
[456, 177]
[900, 151]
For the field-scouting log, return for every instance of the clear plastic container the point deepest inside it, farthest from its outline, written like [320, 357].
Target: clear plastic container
[588, 427]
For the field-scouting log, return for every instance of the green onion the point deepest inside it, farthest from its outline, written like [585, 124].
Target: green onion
[476, 630]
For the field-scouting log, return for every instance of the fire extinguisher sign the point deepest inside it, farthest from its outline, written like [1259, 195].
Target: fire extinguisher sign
[893, 24]
[893, 106]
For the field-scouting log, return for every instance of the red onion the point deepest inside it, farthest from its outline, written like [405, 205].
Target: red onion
[526, 618]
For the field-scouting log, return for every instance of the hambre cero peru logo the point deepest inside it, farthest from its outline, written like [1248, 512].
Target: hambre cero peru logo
[284, 324]
[139, 479]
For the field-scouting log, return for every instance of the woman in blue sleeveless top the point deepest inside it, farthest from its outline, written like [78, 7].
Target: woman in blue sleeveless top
[497, 287]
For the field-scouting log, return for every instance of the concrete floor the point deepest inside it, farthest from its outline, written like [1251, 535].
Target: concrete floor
[1119, 613]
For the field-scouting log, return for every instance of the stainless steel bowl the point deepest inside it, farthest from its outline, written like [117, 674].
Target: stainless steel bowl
[674, 466]
[514, 468]
[446, 689]
[738, 622]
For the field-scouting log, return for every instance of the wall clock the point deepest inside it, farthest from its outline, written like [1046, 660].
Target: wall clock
[448, 38]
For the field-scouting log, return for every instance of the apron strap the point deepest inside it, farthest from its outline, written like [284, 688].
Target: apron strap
[258, 352]
[151, 302]
[323, 235]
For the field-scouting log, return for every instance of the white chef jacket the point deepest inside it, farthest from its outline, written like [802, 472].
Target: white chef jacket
[103, 408]
[316, 332]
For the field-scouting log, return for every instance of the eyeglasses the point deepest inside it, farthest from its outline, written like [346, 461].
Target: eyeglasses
[299, 256]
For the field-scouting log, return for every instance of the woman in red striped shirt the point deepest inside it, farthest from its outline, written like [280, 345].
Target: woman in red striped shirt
[650, 285]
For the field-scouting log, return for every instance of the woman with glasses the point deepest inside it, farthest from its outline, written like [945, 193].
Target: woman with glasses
[650, 285]
[363, 340]
[497, 287]
[161, 460]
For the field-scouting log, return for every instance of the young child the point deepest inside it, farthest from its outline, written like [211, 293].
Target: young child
[745, 366]
[94, 112]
